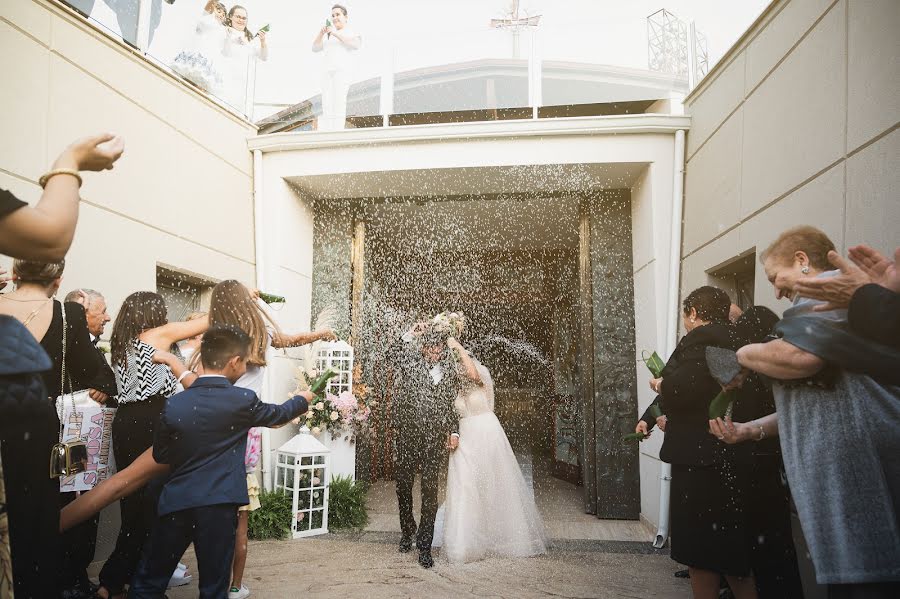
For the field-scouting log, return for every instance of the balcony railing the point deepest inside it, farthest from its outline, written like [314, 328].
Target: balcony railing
[404, 75]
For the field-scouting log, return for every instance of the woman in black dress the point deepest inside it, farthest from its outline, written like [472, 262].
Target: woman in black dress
[33, 498]
[761, 475]
[706, 512]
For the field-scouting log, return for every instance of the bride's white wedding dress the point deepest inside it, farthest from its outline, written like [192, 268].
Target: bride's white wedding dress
[489, 509]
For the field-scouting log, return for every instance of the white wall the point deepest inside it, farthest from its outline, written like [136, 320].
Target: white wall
[796, 125]
[185, 158]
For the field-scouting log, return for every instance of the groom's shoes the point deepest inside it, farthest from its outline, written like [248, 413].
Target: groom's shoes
[406, 544]
[425, 559]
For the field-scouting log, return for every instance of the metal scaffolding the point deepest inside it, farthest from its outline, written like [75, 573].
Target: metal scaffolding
[676, 48]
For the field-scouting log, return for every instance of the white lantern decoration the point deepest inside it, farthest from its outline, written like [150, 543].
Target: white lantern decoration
[302, 471]
[338, 356]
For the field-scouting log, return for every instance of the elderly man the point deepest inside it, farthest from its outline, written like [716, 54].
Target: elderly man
[80, 542]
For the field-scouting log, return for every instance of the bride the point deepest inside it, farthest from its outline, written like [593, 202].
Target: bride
[489, 510]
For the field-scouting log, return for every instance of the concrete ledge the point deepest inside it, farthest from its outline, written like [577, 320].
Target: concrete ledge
[602, 125]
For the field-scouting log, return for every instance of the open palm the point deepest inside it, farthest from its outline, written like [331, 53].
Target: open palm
[878, 267]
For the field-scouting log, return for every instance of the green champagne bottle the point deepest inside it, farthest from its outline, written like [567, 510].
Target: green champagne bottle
[271, 299]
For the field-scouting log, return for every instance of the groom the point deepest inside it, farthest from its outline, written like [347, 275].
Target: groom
[425, 428]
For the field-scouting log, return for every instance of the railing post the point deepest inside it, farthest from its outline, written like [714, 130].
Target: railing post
[386, 99]
[145, 8]
[535, 75]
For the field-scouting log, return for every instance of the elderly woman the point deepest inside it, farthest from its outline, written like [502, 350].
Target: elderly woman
[708, 531]
[838, 426]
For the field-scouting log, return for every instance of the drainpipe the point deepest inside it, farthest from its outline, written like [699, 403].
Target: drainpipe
[665, 473]
[261, 284]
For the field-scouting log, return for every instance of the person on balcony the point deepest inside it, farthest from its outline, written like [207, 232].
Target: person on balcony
[338, 44]
[241, 47]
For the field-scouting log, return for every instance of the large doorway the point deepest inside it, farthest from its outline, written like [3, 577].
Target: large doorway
[510, 265]
[546, 284]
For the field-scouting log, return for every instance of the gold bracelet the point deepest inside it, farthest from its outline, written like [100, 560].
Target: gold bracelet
[58, 171]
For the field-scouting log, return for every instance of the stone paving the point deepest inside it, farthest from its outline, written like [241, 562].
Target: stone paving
[368, 566]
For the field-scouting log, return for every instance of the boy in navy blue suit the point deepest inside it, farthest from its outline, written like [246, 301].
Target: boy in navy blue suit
[202, 433]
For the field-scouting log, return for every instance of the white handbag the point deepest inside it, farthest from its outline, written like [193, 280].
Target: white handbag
[82, 456]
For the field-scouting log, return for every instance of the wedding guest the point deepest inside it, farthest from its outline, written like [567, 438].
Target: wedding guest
[760, 475]
[200, 61]
[202, 434]
[80, 543]
[870, 291]
[233, 304]
[338, 44]
[240, 47]
[141, 330]
[44, 232]
[841, 469]
[708, 533]
[33, 498]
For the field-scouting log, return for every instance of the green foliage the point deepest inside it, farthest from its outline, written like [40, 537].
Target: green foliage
[346, 504]
[273, 518]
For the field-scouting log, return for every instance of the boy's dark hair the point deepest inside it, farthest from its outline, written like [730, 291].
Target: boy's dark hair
[221, 343]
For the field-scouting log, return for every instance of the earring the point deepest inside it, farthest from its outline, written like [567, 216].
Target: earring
[693, 319]
[805, 270]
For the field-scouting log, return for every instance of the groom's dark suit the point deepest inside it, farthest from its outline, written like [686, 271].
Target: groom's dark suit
[423, 417]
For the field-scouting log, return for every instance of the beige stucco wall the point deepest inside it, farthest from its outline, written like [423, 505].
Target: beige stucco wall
[797, 125]
[185, 158]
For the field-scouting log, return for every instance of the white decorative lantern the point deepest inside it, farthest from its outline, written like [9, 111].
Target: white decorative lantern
[338, 356]
[302, 470]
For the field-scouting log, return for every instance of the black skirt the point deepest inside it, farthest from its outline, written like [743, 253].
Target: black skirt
[707, 520]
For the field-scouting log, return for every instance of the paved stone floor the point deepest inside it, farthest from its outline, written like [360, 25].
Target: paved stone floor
[368, 566]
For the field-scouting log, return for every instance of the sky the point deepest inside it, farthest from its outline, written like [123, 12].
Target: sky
[406, 34]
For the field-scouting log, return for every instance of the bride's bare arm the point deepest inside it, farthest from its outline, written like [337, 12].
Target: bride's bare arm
[121, 484]
[469, 370]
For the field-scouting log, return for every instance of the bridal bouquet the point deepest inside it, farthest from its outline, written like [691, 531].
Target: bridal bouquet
[449, 323]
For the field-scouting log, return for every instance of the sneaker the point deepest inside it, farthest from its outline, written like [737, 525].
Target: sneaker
[179, 578]
[238, 593]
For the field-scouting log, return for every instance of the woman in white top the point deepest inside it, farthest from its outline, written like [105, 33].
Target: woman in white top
[338, 43]
[200, 61]
[490, 512]
[240, 48]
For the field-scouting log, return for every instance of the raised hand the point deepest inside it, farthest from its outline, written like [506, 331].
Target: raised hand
[327, 334]
[879, 269]
[95, 153]
[835, 291]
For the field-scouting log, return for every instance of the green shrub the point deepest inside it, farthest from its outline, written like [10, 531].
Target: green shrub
[346, 504]
[273, 518]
